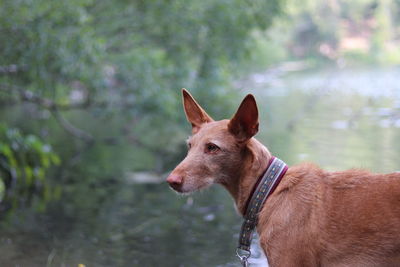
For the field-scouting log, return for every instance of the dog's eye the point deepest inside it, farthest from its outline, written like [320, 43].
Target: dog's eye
[189, 145]
[211, 148]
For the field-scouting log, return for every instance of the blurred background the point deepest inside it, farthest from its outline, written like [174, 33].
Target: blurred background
[91, 119]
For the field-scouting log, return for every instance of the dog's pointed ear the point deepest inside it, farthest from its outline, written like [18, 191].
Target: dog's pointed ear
[244, 123]
[194, 113]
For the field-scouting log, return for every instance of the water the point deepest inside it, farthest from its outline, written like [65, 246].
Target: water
[338, 119]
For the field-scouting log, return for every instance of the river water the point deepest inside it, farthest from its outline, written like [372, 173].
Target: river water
[337, 118]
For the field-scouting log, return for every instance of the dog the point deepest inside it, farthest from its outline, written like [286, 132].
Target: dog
[314, 217]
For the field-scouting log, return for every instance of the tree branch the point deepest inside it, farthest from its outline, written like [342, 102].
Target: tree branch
[76, 132]
[13, 68]
[29, 96]
[53, 107]
[56, 108]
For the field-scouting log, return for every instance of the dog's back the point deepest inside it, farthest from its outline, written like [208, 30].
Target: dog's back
[349, 218]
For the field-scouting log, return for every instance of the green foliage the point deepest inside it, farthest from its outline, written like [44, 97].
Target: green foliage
[162, 46]
[51, 43]
[114, 69]
[24, 164]
[127, 59]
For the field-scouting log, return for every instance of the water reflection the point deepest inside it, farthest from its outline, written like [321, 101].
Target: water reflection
[337, 118]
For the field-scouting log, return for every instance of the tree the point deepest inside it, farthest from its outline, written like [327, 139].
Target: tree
[109, 72]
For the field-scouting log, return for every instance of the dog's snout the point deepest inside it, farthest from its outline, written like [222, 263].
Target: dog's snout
[175, 181]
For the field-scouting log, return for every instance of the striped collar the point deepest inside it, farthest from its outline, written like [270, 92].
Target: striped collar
[264, 187]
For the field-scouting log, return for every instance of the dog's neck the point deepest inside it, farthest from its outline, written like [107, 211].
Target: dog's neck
[254, 163]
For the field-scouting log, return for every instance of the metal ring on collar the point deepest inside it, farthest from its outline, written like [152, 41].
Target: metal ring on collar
[243, 254]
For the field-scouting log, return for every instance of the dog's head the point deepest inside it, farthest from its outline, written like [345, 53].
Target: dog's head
[216, 148]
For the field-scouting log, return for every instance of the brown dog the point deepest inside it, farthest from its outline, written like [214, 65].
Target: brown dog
[314, 217]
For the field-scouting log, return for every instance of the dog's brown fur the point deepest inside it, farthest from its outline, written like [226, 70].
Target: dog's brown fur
[314, 217]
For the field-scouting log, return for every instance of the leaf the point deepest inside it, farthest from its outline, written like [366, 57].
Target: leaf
[28, 175]
[2, 189]
[55, 159]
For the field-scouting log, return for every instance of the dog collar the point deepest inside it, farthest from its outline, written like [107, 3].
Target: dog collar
[264, 187]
